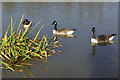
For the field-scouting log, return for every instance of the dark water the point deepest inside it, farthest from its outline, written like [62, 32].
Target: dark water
[80, 59]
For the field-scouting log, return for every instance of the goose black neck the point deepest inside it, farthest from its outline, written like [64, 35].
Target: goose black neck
[93, 34]
[55, 27]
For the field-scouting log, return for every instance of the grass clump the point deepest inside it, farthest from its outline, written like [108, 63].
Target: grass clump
[18, 47]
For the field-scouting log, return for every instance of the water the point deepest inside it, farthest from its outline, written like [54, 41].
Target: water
[80, 59]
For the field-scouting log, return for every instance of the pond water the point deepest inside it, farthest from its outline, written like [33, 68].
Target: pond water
[79, 58]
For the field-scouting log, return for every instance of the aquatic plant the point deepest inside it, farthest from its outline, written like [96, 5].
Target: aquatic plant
[18, 47]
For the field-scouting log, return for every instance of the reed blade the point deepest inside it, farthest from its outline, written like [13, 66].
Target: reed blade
[8, 66]
[26, 30]
[34, 27]
[11, 26]
[38, 32]
[20, 23]
[5, 36]
[40, 44]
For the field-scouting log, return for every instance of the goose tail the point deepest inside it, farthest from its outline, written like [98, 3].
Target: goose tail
[112, 37]
[73, 29]
[113, 34]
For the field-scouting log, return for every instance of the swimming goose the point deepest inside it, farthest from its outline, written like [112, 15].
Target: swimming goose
[102, 38]
[25, 23]
[62, 30]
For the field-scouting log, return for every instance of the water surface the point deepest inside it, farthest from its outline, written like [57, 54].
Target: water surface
[78, 59]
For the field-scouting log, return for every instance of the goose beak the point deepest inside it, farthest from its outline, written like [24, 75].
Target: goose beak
[52, 23]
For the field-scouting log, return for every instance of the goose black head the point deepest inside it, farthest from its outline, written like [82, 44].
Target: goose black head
[54, 22]
[93, 29]
[26, 21]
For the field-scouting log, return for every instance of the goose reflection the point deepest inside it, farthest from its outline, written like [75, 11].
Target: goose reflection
[65, 36]
[100, 44]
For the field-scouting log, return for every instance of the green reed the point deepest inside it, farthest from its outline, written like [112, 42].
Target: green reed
[18, 47]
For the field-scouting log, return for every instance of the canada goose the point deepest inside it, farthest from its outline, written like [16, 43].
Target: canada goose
[62, 30]
[102, 38]
[25, 23]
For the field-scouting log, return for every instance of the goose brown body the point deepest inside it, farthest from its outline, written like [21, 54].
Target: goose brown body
[62, 30]
[102, 38]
